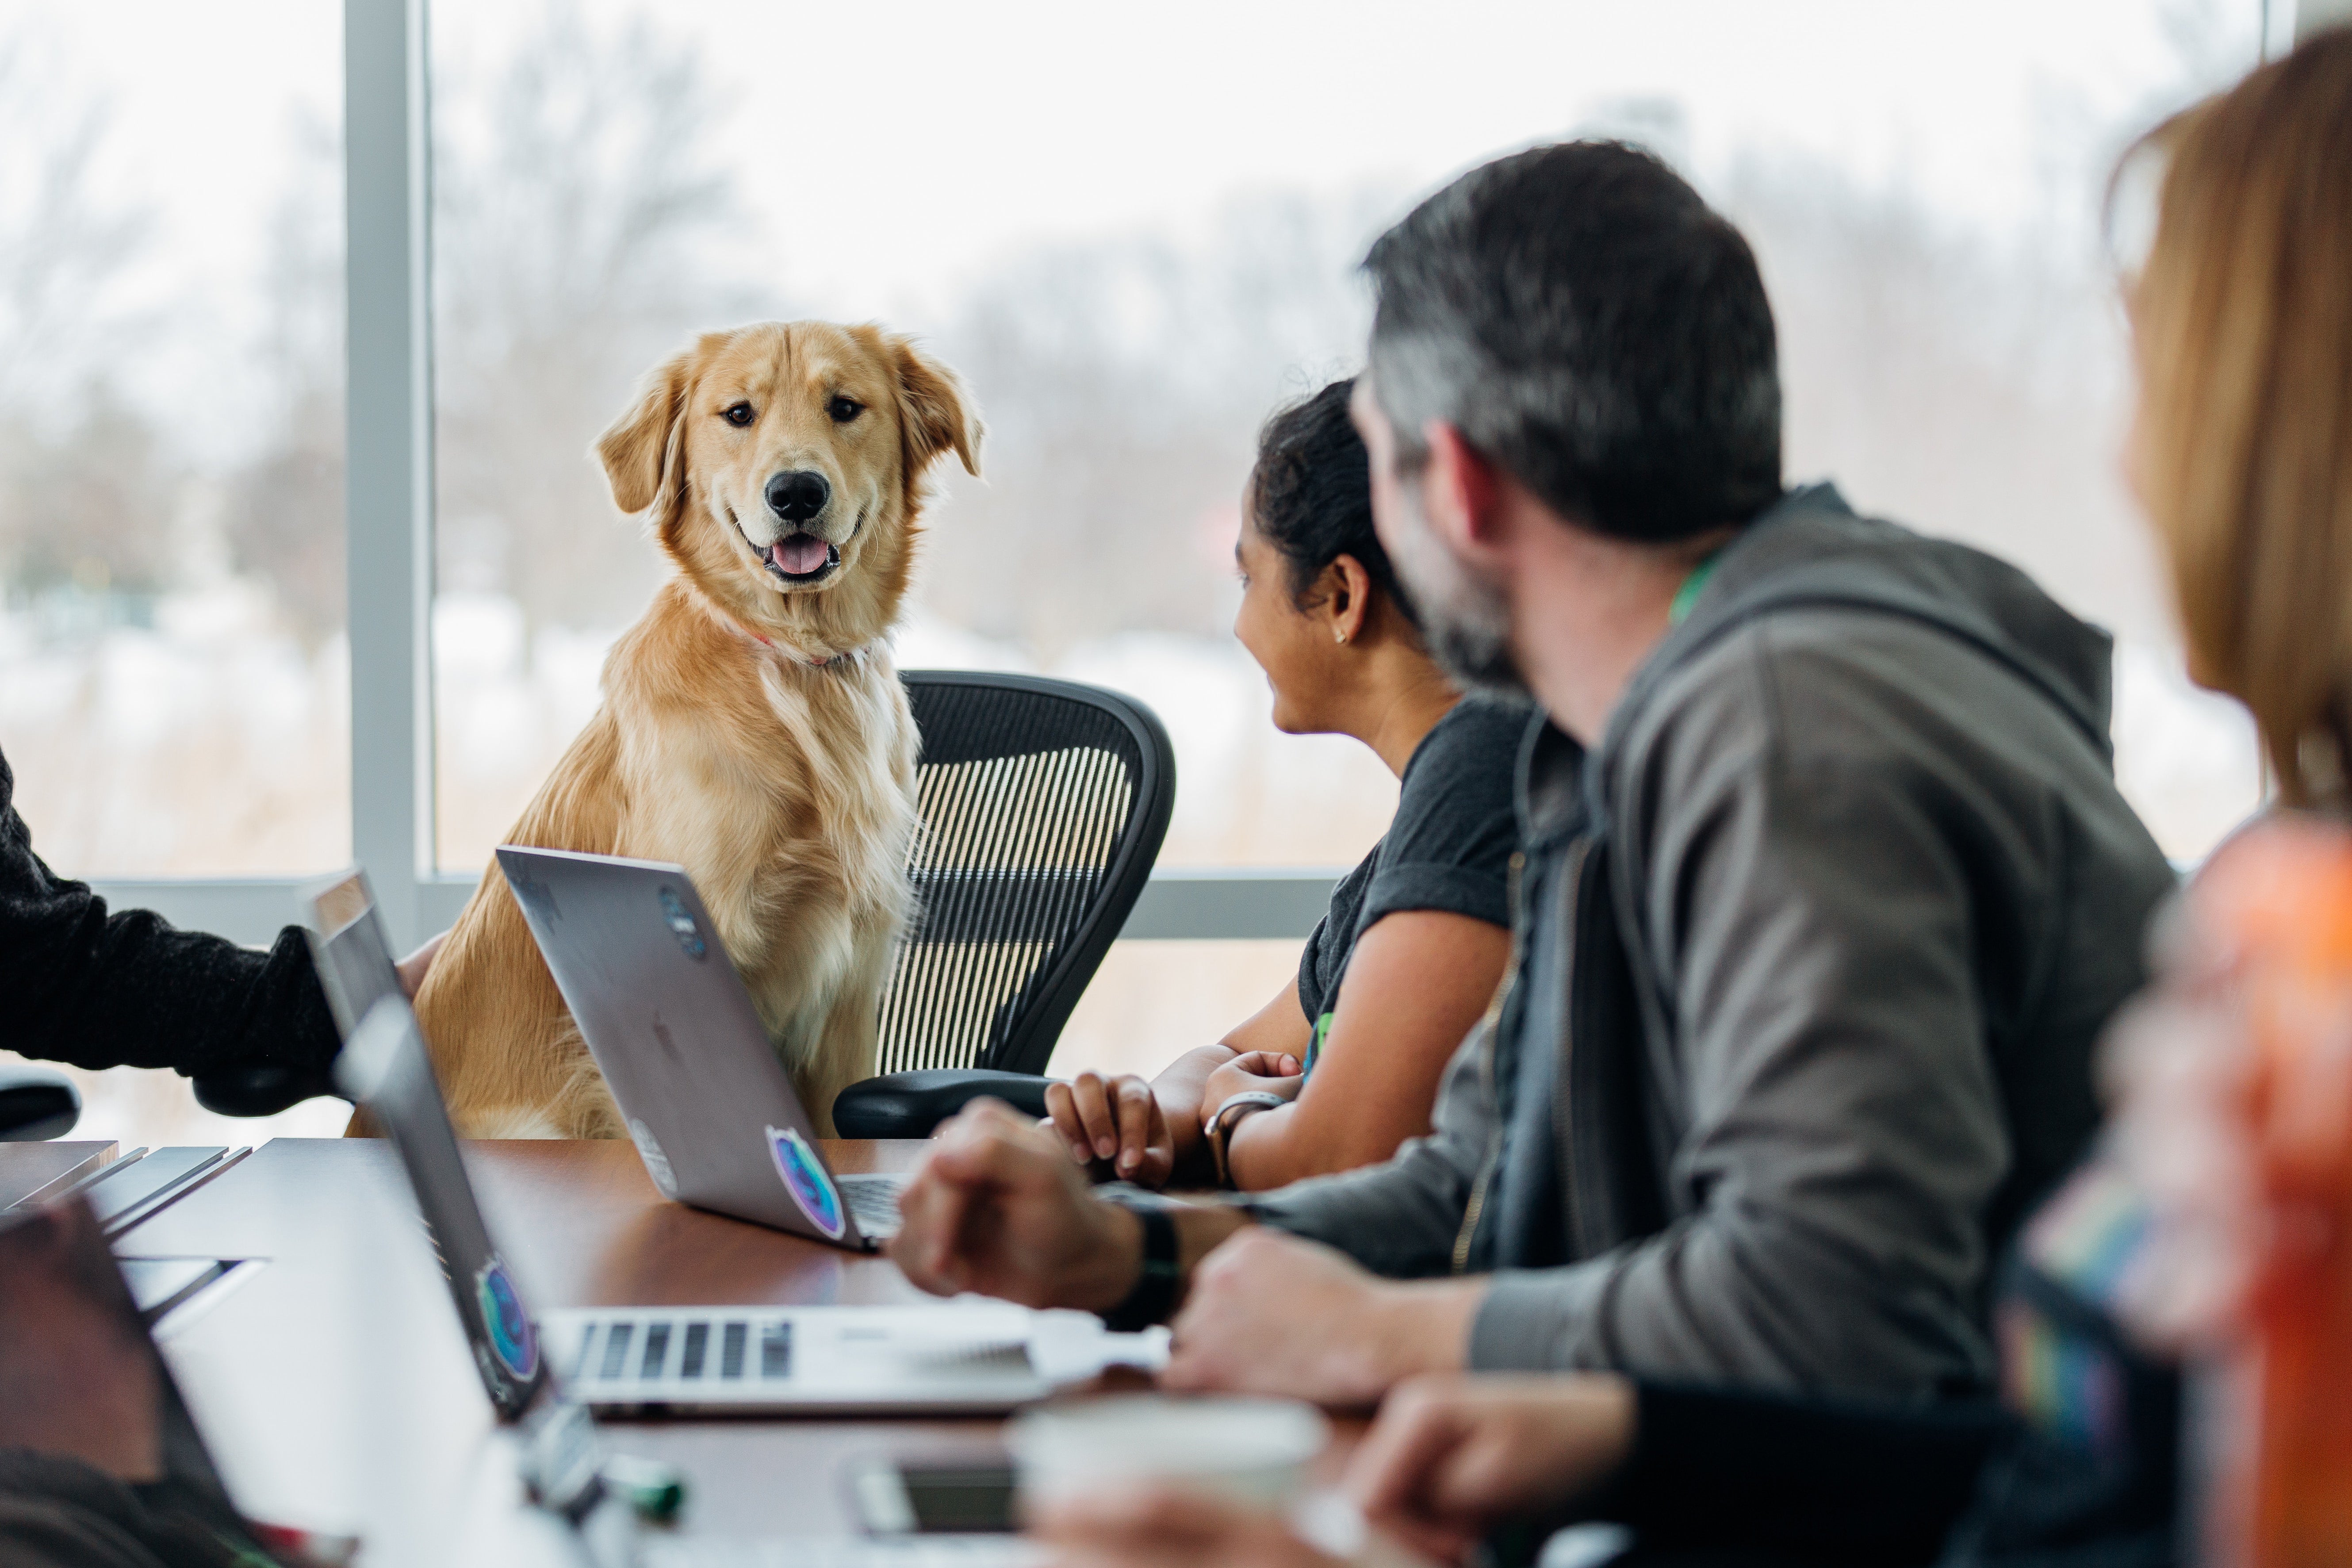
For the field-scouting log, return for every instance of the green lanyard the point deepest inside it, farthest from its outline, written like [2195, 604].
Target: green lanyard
[1693, 586]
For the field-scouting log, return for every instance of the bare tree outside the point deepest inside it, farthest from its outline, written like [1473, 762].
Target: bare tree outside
[1124, 380]
[284, 505]
[84, 484]
[585, 225]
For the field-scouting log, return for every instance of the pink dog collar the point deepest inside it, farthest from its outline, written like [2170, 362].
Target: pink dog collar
[771, 643]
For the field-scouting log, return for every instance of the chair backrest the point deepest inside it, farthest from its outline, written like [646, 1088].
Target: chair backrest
[1043, 804]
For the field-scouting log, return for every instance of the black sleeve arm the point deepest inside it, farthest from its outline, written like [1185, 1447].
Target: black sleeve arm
[102, 990]
[1821, 1481]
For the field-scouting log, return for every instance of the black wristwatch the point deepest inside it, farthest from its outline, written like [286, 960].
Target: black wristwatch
[1154, 1294]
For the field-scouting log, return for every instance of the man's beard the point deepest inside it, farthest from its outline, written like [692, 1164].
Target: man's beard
[1465, 619]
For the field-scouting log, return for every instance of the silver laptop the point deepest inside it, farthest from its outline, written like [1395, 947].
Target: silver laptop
[958, 1357]
[667, 1019]
[348, 944]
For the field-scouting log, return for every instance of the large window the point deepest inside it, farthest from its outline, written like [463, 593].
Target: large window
[1132, 229]
[171, 670]
[173, 674]
[1134, 236]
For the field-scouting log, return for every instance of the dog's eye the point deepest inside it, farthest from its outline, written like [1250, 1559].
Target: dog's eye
[738, 415]
[843, 409]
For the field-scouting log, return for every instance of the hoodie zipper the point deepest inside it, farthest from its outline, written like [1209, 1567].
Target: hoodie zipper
[1490, 1028]
[1563, 1137]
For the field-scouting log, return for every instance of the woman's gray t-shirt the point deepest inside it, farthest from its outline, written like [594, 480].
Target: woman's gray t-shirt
[1449, 846]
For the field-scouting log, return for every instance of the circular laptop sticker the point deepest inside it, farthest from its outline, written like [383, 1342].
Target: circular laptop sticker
[656, 1163]
[805, 1177]
[512, 1340]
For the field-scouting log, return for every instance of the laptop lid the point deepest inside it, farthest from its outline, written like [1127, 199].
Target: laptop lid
[384, 1066]
[79, 1375]
[713, 1112]
[389, 1071]
[348, 943]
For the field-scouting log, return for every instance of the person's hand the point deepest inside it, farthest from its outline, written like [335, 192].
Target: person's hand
[414, 967]
[1269, 1313]
[1269, 1072]
[1116, 1118]
[997, 1207]
[1452, 1458]
[1163, 1527]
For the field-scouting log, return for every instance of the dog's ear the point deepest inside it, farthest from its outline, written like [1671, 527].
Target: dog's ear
[640, 447]
[939, 414]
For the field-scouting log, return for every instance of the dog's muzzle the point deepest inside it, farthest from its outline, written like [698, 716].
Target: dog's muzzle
[798, 497]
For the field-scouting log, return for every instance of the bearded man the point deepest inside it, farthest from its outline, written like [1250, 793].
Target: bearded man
[1826, 894]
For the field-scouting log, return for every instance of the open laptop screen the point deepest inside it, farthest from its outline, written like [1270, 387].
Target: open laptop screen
[384, 1066]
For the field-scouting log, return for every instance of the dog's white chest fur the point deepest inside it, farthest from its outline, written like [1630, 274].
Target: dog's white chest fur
[805, 868]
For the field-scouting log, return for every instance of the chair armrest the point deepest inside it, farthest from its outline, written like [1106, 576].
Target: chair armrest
[910, 1104]
[36, 1104]
[258, 1091]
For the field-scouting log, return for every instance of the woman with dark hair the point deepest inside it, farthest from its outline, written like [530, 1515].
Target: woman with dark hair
[1338, 1072]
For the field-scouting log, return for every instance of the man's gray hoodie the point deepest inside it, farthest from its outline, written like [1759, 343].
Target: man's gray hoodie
[1810, 957]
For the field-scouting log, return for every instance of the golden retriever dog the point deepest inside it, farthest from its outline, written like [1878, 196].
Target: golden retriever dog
[752, 729]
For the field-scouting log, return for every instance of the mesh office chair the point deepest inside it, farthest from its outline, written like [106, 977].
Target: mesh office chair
[1044, 803]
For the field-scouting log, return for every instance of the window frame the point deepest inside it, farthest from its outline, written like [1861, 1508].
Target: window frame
[388, 527]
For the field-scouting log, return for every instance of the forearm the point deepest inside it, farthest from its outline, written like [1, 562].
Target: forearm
[1274, 1148]
[1319, 1134]
[1423, 1326]
[1418, 984]
[127, 989]
[1201, 1229]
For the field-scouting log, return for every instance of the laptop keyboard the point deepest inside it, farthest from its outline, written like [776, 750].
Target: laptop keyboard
[874, 1204]
[625, 1352]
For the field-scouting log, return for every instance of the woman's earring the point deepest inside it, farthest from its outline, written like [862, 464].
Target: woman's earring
[1342, 636]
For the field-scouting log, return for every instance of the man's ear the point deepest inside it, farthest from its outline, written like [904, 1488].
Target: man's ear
[640, 447]
[939, 414]
[1461, 493]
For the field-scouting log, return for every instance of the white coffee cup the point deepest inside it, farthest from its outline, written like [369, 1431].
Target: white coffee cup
[1253, 1451]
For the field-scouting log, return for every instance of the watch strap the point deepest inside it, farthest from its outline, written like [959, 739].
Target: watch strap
[1229, 1116]
[1154, 1294]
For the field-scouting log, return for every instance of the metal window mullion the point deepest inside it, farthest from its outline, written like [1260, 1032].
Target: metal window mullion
[388, 449]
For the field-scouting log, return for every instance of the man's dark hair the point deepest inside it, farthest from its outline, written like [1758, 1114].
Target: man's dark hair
[1587, 322]
[1311, 495]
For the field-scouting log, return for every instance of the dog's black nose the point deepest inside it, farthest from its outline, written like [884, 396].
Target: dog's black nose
[798, 495]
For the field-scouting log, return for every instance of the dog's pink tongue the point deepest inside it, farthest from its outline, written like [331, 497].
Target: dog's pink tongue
[798, 554]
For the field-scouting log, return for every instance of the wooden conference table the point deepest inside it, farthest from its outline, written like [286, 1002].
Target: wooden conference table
[333, 1385]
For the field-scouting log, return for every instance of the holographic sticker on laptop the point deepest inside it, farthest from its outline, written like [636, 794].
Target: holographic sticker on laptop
[681, 924]
[806, 1178]
[512, 1339]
